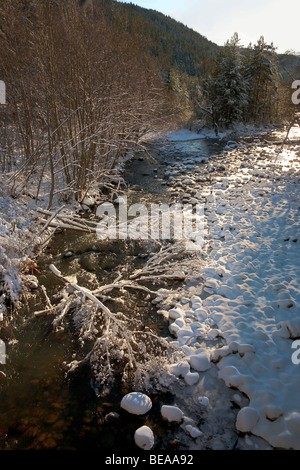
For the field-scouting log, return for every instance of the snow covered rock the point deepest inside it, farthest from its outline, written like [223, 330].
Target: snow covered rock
[200, 361]
[231, 376]
[247, 418]
[273, 412]
[204, 401]
[181, 369]
[136, 403]
[144, 438]
[175, 313]
[171, 413]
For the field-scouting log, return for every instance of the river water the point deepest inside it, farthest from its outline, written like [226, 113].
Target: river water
[42, 409]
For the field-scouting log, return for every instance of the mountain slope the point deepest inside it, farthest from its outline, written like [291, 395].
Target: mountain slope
[170, 42]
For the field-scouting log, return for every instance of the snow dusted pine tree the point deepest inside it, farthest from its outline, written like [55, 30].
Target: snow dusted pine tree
[231, 91]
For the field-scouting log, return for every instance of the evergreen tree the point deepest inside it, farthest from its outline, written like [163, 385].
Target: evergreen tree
[262, 78]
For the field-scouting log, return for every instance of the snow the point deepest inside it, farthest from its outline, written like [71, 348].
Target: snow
[247, 308]
[171, 413]
[200, 361]
[182, 135]
[136, 403]
[192, 378]
[181, 369]
[204, 401]
[144, 438]
[193, 431]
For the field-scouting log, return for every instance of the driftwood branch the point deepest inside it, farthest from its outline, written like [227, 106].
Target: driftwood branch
[115, 336]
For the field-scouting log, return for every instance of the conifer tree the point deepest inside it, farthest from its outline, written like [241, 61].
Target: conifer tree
[231, 91]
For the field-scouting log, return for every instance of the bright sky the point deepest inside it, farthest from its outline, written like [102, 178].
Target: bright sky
[218, 20]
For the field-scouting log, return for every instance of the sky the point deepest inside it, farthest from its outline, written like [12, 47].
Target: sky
[218, 20]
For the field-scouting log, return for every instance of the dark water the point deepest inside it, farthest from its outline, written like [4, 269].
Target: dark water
[40, 407]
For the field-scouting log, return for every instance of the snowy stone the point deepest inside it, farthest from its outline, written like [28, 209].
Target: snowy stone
[245, 348]
[181, 369]
[88, 201]
[112, 416]
[144, 438]
[136, 403]
[213, 334]
[203, 401]
[171, 413]
[193, 431]
[175, 313]
[188, 181]
[31, 282]
[247, 418]
[191, 378]
[273, 412]
[200, 361]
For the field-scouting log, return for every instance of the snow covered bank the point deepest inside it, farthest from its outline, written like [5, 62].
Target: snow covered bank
[182, 135]
[249, 306]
